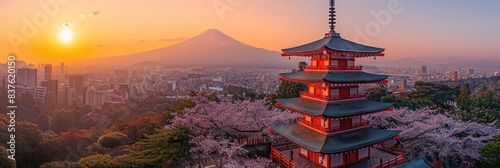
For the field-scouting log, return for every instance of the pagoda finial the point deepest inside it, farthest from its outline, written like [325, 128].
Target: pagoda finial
[332, 16]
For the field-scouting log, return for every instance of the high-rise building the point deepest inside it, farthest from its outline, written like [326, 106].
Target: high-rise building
[48, 72]
[62, 72]
[77, 82]
[52, 92]
[455, 76]
[496, 73]
[27, 77]
[68, 96]
[334, 130]
[424, 70]
[403, 85]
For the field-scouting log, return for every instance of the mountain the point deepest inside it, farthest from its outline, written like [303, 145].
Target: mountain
[210, 48]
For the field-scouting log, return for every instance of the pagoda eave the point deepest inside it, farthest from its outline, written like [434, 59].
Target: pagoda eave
[334, 77]
[333, 53]
[333, 83]
[333, 144]
[298, 111]
[333, 109]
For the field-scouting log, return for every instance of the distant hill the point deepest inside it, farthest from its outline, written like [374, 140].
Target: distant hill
[147, 64]
[210, 48]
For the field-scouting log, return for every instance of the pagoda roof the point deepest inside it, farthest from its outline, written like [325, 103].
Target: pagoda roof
[334, 109]
[336, 143]
[334, 76]
[335, 43]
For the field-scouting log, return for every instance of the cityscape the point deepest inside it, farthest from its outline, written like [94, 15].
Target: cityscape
[288, 84]
[60, 85]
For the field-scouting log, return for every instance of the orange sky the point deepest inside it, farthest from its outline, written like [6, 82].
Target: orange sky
[130, 26]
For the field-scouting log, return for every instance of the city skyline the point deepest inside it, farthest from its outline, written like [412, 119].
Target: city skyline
[411, 28]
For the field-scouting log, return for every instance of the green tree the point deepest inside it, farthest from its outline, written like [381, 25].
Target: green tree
[287, 89]
[27, 100]
[98, 161]
[490, 153]
[464, 99]
[5, 162]
[113, 140]
[377, 93]
[61, 165]
[485, 100]
[440, 95]
[301, 66]
[168, 147]
[34, 147]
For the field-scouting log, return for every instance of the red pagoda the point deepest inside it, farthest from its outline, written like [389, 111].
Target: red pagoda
[333, 131]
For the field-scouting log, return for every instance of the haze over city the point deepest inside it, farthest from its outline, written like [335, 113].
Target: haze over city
[103, 29]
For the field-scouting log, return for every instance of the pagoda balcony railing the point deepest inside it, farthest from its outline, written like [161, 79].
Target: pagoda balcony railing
[399, 152]
[333, 98]
[332, 129]
[314, 126]
[333, 67]
[283, 160]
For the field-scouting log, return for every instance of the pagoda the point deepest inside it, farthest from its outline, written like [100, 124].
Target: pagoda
[333, 131]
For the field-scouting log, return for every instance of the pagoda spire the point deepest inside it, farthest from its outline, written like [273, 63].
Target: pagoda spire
[333, 15]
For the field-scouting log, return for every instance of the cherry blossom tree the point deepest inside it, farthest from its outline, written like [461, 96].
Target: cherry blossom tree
[217, 124]
[434, 133]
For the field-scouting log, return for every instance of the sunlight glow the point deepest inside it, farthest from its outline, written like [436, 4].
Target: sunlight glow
[66, 35]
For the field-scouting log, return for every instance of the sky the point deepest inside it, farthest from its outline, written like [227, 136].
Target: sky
[31, 29]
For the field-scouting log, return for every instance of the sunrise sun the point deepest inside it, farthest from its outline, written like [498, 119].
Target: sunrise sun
[66, 35]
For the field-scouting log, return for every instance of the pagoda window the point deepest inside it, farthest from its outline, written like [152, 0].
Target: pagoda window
[356, 120]
[335, 92]
[308, 118]
[303, 152]
[327, 63]
[337, 160]
[335, 123]
[314, 63]
[335, 62]
[325, 91]
[311, 89]
[353, 91]
[350, 63]
[363, 153]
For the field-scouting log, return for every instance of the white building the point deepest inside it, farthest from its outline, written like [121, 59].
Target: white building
[39, 94]
[94, 98]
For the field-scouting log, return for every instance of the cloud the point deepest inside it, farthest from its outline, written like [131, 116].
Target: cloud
[68, 25]
[86, 15]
